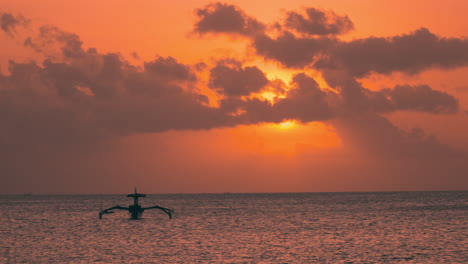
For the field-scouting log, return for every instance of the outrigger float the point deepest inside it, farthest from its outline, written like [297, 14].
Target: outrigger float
[135, 210]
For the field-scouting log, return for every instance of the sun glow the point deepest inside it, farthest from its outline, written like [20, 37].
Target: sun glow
[287, 124]
[288, 138]
[270, 96]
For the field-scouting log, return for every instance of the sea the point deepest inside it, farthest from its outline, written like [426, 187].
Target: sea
[380, 227]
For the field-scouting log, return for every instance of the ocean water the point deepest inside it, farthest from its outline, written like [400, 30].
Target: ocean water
[392, 227]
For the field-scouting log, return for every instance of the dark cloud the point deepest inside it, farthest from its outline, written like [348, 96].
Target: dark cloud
[376, 136]
[353, 97]
[409, 53]
[305, 102]
[50, 39]
[88, 96]
[168, 68]
[289, 50]
[402, 159]
[318, 22]
[225, 18]
[231, 79]
[317, 47]
[419, 98]
[85, 95]
[356, 98]
[9, 22]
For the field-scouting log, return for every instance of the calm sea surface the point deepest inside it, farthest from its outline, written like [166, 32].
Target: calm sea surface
[408, 227]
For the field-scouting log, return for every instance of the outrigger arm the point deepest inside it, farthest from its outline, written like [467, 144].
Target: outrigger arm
[166, 210]
[109, 210]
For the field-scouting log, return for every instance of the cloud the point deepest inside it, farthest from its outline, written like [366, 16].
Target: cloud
[398, 159]
[80, 98]
[305, 102]
[318, 22]
[419, 98]
[169, 68]
[50, 39]
[9, 22]
[225, 18]
[84, 95]
[377, 137]
[356, 98]
[316, 45]
[410, 53]
[289, 50]
[87, 96]
[231, 79]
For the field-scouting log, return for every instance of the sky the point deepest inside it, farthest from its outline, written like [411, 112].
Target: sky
[241, 96]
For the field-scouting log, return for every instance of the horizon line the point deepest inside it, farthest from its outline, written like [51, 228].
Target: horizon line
[207, 193]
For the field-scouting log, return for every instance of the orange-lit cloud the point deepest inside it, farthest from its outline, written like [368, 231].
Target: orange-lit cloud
[9, 22]
[318, 22]
[224, 18]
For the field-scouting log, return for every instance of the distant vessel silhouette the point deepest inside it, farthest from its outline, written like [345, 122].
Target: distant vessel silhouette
[135, 210]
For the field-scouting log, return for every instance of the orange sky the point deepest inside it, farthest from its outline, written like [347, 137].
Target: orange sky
[341, 153]
[121, 26]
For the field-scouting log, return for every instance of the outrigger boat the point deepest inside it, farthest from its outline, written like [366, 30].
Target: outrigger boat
[135, 210]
